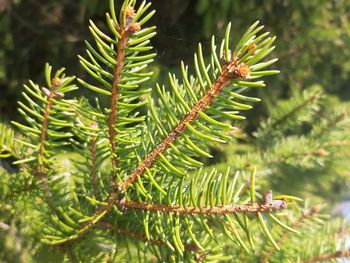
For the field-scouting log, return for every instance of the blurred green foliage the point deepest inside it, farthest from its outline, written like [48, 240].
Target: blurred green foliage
[314, 37]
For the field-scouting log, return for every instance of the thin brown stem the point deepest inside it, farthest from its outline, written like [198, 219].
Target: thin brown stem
[43, 134]
[232, 71]
[41, 169]
[93, 165]
[207, 210]
[125, 31]
[328, 257]
[120, 60]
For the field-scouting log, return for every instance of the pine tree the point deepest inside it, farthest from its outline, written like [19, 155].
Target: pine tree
[130, 180]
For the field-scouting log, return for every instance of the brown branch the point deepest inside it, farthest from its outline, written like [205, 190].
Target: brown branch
[329, 257]
[41, 170]
[115, 95]
[93, 163]
[125, 32]
[233, 70]
[207, 210]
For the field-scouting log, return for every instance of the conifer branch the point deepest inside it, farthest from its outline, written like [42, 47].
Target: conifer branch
[8, 147]
[41, 172]
[294, 111]
[93, 149]
[318, 153]
[208, 210]
[233, 70]
[128, 140]
[124, 31]
[328, 257]
[332, 123]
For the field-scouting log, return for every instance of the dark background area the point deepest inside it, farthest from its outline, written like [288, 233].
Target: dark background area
[313, 40]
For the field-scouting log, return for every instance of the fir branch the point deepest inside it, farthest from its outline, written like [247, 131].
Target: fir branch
[328, 257]
[93, 149]
[41, 170]
[8, 147]
[124, 31]
[318, 153]
[233, 70]
[254, 208]
[294, 111]
[331, 124]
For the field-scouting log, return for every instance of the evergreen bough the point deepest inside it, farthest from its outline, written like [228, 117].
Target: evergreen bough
[128, 182]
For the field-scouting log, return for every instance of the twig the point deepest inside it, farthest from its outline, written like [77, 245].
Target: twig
[41, 170]
[125, 32]
[207, 210]
[93, 163]
[233, 70]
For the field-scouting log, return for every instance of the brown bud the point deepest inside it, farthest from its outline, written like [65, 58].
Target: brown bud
[133, 28]
[315, 210]
[241, 71]
[251, 48]
[56, 82]
[321, 153]
[277, 203]
[130, 12]
[267, 198]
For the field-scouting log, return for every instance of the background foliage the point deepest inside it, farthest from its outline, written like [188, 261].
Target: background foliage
[313, 38]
